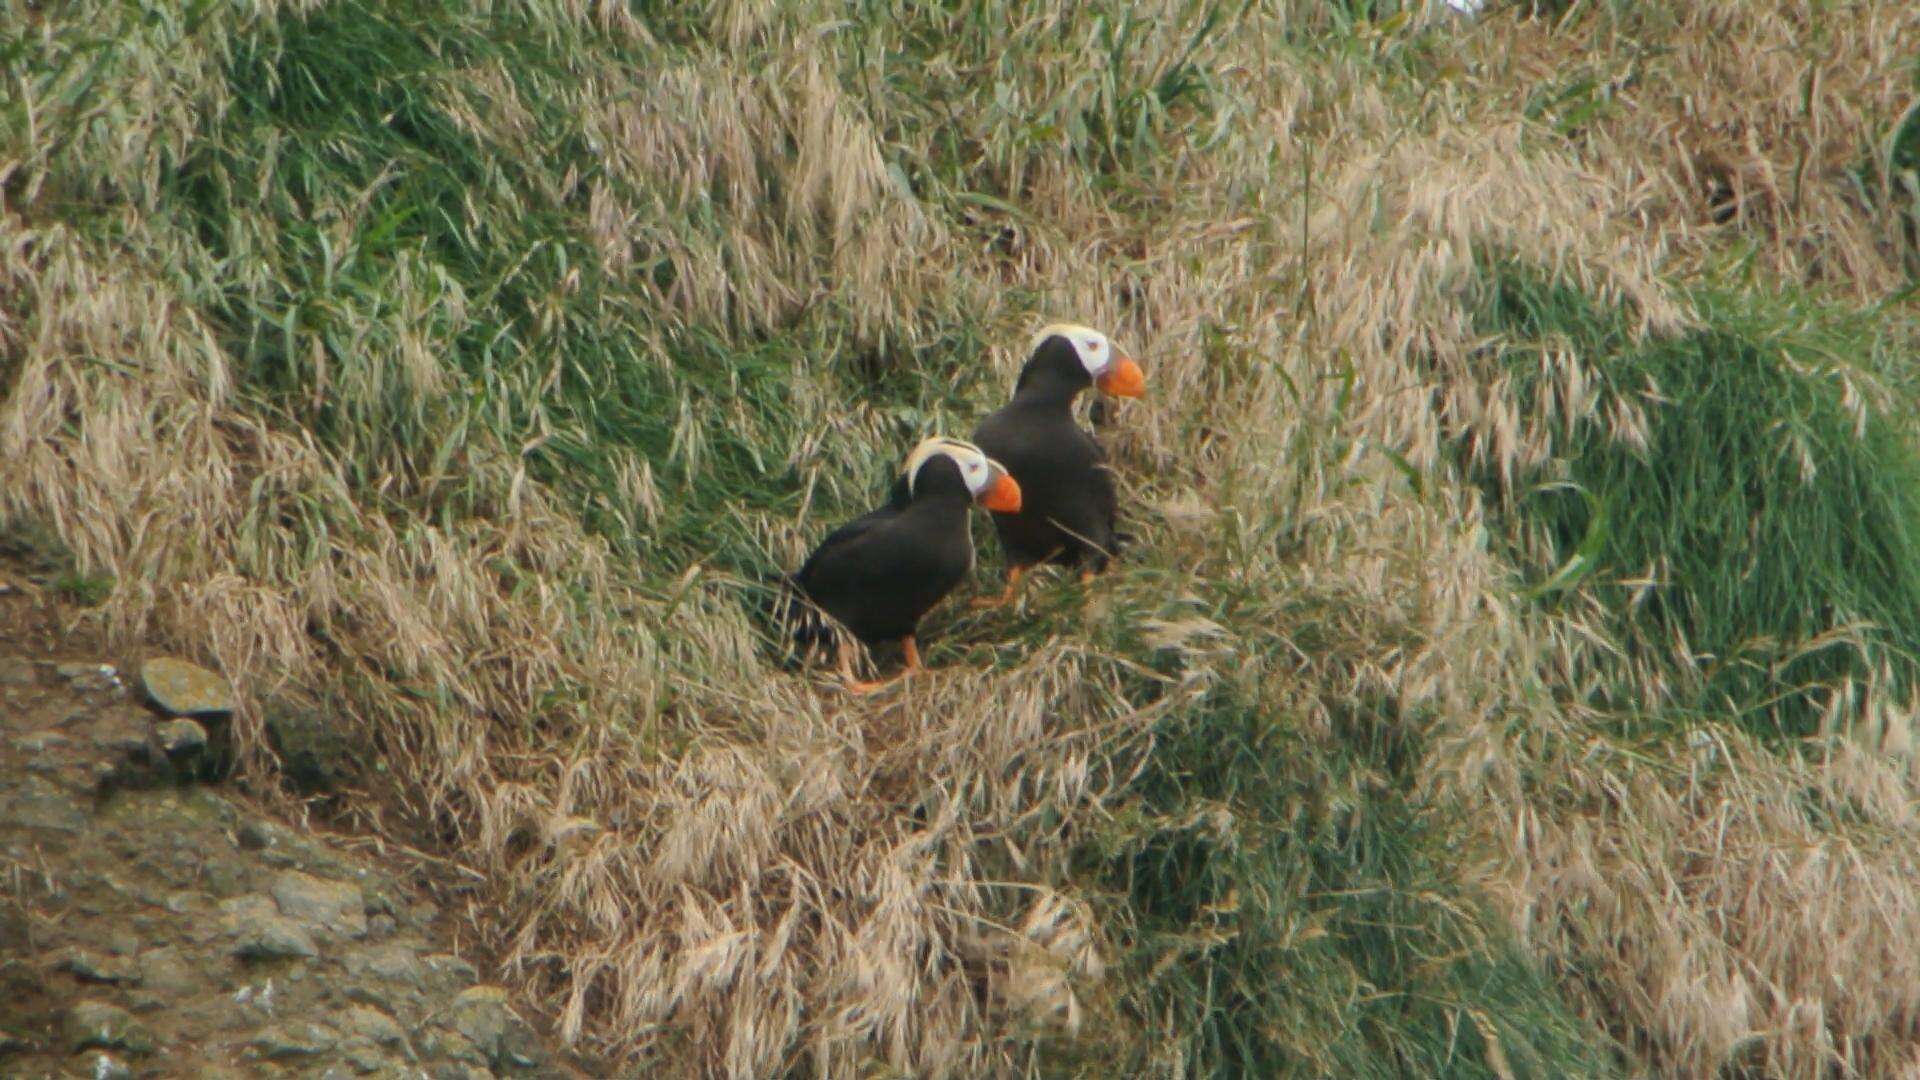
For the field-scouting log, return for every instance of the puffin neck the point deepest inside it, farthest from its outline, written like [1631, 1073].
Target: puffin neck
[939, 484]
[1053, 375]
[1042, 385]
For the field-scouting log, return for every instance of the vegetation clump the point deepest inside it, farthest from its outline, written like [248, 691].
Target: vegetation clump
[1495, 682]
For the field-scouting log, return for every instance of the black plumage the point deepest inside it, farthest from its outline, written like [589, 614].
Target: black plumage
[1069, 507]
[878, 574]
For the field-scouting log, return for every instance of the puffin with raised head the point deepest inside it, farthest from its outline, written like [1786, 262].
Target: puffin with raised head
[879, 573]
[1068, 506]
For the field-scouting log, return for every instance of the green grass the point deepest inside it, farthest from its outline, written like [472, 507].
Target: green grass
[382, 216]
[1771, 507]
[1292, 910]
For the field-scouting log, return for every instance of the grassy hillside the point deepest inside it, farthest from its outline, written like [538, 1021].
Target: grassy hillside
[1512, 671]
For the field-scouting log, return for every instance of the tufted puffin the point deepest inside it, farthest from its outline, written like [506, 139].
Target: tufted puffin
[1067, 499]
[879, 573]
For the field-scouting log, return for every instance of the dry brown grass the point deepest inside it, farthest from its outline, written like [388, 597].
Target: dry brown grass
[701, 863]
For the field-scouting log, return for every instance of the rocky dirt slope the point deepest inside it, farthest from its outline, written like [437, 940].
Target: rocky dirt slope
[155, 924]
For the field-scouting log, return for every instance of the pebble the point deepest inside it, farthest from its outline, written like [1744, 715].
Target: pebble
[365, 1058]
[103, 1066]
[185, 689]
[181, 736]
[395, 963]
[39, 742]
[453, 1046]
[40, 804]
[256, 835]
[298, 1040]
[123, 730]
[320, 904]
[118, 970]
[452, 970]
[17, 671]
[375, 1025]
[259, 934]
[318, 753]
[167, 971]
[480, 1014]
[89, 676]
[95, 1024]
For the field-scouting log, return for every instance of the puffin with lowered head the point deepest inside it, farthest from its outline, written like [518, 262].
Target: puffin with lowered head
[1068, 507]
[879, 573]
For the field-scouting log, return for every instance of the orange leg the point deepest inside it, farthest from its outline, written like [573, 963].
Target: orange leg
[1086, 576]
[1014, 574]
[846, 674]
[859, 687]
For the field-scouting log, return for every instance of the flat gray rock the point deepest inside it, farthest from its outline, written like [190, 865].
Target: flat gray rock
[97, 1025]
[260, 933]
[320, 904]
[185, 689]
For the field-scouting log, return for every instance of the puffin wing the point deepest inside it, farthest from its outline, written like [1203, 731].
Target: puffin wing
[823, 575]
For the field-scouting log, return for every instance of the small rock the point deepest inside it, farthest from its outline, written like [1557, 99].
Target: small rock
[375, 1025]
[458, 1071]
[453, 1046]
[316, 752]
[395, 963]
[123, 730]
[180, 902]
[294, 1040]
[480, 1013]
[39, 742]
[118, 970]
[256, 835]
[364, 1057]
[224, 879]
[104, 1066]
[181, 736]
[17, 671]
[39, 804]
[450, 970]
[94, 1024]
[381, 926]
[321, 904]
[185, 689]
[259, 934]
[165, 970]
[89, 676]
[521, 1047]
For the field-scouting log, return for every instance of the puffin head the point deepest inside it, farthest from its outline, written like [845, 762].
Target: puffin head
[1082, 355]
[941, 462]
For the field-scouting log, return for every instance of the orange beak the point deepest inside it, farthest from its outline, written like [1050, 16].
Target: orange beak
[1123, 379]
[1003, 495]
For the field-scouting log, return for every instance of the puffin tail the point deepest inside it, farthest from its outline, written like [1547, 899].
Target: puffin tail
[800, 620]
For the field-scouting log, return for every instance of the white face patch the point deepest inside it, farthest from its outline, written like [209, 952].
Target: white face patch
[972, 461]
[1092, 346]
